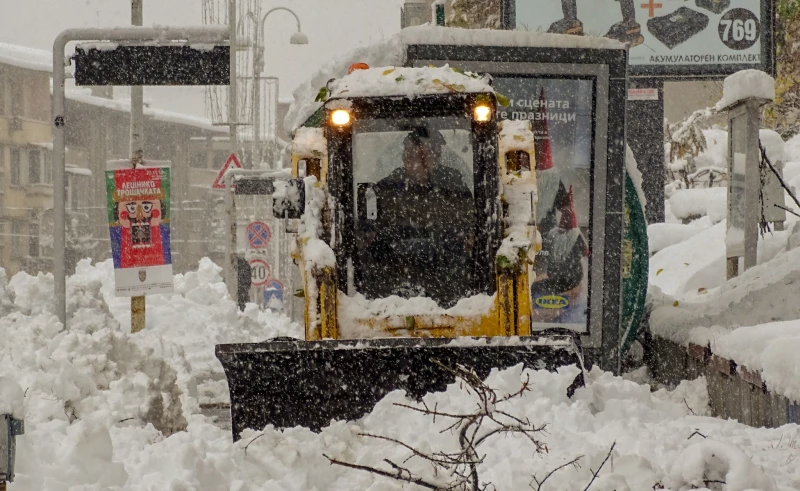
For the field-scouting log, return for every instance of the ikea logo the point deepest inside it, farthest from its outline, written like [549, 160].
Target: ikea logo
[552, 302]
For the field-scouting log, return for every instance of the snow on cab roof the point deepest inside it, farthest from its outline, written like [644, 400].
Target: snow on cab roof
[392, 52]
[407, 81]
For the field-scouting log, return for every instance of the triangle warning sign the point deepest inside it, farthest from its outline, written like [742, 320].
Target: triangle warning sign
[232, 162]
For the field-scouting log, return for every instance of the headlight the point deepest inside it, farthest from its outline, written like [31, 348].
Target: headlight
[483, 113]
[340, 117]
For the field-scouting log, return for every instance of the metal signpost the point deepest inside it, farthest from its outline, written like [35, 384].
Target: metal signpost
[168, 59]
[744, 184]
[258, 236]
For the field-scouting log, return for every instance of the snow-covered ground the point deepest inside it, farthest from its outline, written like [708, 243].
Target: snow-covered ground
[753, 319]
[105, 409]
[108, 410]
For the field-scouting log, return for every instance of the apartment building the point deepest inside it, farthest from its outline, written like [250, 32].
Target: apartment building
[97, 131]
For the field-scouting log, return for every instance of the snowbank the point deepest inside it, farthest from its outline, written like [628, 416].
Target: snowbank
[90, 418]
[11, 398]
[746, 84]
[700, 202]
[651, 431]
[83, 385]
[662, 235]
[712, 461]
[751, 319]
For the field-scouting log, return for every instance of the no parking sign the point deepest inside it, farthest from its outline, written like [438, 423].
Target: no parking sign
[258, 235]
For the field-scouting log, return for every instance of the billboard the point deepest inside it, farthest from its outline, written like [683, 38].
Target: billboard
[138, 202]
[561, 112]
[671, 38]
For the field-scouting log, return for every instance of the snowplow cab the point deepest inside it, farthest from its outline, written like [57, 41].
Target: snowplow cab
[416, 242]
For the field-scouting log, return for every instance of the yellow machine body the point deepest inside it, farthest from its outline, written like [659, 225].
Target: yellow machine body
[510, 311]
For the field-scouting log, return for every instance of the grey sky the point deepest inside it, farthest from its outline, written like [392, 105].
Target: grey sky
[332, 26]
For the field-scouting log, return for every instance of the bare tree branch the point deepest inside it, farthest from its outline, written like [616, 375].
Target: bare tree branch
[381, 472]
[251, 441]
[471, 431]
[539, 484]
[596, 473]
[696, 432]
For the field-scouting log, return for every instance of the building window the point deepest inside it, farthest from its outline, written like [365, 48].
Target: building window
[17, 235]
[2, 94]
[40, 167]
[17, 99]
[33, 240]
[34, 166]
[16, 167]
[47, 166]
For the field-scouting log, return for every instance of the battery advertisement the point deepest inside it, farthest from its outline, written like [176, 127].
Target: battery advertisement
[561, 115]
[138, 203]
[662, 33]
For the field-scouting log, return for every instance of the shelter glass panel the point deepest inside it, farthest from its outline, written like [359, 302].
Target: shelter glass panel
[562, 116]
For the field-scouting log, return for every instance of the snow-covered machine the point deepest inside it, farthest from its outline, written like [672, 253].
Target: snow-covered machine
[416, 239]
[445, 217]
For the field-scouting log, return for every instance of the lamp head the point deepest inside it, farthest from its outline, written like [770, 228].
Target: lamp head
[298, 38]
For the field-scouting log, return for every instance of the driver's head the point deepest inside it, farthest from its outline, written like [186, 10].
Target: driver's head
[421, 151]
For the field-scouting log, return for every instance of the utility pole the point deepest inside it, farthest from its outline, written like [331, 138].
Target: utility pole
[233, 264]
[232, 95]
[137, 154]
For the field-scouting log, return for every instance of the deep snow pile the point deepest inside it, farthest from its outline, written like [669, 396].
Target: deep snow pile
[657, 441]
[102, 408]
[753, 319]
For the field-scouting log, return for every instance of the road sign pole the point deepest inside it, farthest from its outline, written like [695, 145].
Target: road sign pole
[232, 88]
[138, 304]
[206, 34]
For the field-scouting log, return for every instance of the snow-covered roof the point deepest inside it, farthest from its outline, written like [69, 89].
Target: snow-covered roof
[392, 52]
[41, 60]
[406, 81]
[24, 57]
[78, 171]
[84, 96]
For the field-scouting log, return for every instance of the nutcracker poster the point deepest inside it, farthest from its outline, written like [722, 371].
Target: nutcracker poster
[138, 218]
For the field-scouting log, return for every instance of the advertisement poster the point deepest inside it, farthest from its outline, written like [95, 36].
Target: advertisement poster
[138, 218]
[695, 33]
[561, 114]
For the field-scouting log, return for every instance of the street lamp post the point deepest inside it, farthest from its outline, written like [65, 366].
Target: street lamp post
[258, 66]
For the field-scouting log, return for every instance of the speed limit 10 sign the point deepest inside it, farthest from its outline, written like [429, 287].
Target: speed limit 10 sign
[260, 272]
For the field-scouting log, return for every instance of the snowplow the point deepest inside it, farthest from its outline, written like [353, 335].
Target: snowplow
[416, 216]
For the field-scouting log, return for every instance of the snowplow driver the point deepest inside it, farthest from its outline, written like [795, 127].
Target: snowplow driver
[420, 242]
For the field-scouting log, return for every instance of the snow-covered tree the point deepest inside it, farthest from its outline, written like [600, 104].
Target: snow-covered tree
[784, 114]
[474, 14]
[683, 141]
